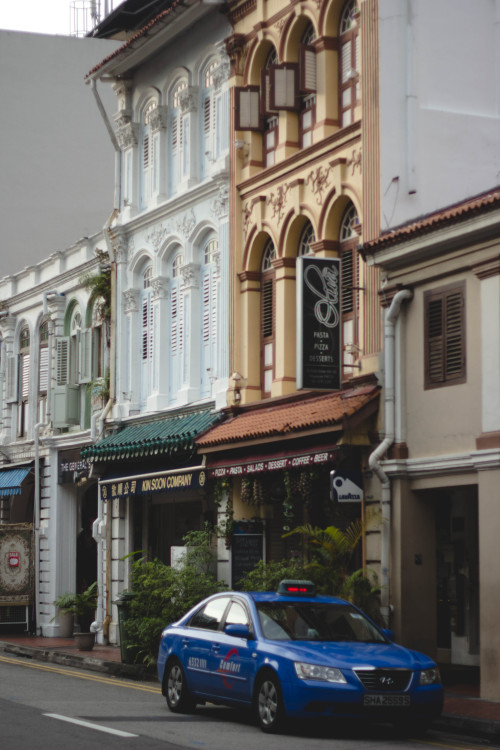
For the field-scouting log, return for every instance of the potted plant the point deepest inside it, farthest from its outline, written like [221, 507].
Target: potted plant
[64, 603]
[83, 608]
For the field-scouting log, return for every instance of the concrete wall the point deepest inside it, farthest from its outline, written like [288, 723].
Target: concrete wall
[439, 100]
[56, 159]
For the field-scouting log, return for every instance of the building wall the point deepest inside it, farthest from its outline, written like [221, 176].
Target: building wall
[439, 104]
[57, 165]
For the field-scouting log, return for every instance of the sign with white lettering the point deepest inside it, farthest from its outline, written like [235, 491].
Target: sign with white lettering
[318, 323]
[165, 482]
[271, 464]
[346, 488]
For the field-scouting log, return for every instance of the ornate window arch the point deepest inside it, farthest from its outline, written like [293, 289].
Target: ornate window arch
[350, 286]
[307, 112]
[307, 237]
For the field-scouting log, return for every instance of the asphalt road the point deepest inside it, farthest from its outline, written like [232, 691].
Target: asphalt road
[49, 707]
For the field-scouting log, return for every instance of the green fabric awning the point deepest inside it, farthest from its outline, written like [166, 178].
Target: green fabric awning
[167, 436]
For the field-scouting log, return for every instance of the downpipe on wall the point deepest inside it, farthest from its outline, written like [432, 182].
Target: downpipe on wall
[392, 363]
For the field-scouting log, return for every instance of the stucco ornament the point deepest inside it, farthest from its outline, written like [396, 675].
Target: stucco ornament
[157, 237]
[131, 300]
[355, 161]
[319, 180]
[187, 223]
[278, 200]
[220, 204]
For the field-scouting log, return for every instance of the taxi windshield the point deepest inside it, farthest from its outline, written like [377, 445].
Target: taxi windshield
[310, 621]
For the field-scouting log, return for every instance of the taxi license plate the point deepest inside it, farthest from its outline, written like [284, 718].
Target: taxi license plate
[386, 700]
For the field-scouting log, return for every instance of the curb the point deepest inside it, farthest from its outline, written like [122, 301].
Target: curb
[94, 664]
[468, 725]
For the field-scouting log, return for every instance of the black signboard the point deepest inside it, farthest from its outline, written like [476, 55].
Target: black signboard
[318, 323]
[164, 482]
[246, 552]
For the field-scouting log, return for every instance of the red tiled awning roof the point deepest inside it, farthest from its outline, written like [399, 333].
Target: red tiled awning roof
[291, 419]
[459, 211]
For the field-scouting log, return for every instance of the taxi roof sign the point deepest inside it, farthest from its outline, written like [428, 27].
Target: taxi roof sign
[297, 588]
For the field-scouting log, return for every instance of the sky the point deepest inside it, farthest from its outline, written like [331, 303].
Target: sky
[44, 16]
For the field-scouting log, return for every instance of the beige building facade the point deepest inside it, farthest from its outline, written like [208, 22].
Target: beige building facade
[444, 465]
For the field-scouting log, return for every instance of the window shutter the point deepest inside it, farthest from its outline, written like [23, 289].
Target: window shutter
[267, 308]
[62, 360]
[445, 336]
[85, 356]
[283, 86]
[247, 105]
[308, 69]
[25, 376]
[184, 145]
[43, 371]
[12, 382]
[346, 61]
[347, 282]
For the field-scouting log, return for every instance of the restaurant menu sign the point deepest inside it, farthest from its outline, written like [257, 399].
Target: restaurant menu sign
[318, 323]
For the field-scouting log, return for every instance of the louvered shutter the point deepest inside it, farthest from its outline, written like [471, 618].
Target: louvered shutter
[147, 160]
[445, 336]
[267, 308]
[308, 69]
[208, 116]
[43, 370]
[62, 360]
[175, 148]
[283, 87]
[247, 106]
[85, 356]
[12, 381]
[184, 145]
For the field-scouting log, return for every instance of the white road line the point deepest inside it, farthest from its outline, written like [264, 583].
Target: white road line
[89, 725]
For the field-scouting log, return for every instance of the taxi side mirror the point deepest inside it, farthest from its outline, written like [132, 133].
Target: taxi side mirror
[238, 631]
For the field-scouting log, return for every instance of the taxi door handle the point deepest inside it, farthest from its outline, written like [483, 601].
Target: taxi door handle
[185, 641]
[215, 647]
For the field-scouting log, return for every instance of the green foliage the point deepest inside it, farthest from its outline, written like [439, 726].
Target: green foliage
[99, 286]
[163, 594]
[64, 602]
[82, 605]
[266, 576]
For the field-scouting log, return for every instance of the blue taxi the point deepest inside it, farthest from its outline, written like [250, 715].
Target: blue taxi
[293, 653]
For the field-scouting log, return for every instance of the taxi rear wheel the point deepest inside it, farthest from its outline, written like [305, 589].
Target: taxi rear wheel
[179, 699]
[269, 703]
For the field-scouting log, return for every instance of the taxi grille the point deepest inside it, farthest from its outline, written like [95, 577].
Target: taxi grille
[384, 679]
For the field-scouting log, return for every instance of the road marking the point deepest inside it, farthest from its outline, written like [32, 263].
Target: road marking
[83, 675]
[450, 746]
[90, 725]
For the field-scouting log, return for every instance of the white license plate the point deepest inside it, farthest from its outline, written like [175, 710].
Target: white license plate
[386, 700]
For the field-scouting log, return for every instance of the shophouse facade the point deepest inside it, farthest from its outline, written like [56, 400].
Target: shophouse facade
[55, 335]
[437, 253]
[170, 254]
[301, 77]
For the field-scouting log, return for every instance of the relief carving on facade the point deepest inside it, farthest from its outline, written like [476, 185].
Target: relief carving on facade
[191, 275]
[130, 300]
[159, 285]
[355, 161]
[220, 204]
[319, 182]
[278, 201]
[186, 225]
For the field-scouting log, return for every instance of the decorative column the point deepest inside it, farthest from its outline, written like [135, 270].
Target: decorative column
[126, 362]
[190, 383]
[158, 399]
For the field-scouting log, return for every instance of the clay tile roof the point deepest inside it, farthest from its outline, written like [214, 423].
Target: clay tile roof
[289, 419]
[463, 210]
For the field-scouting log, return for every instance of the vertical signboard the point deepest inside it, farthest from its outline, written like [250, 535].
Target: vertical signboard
[318, 323]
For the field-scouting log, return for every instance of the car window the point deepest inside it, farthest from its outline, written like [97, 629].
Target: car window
[315, 622]
[209, 617]
[237, 615]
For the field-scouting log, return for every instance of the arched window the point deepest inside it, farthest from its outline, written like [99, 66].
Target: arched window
[24, 380]
[307, 113]
[209, 316]
[75, 331]
[211, 142]
[349, 61]
[271, 116]
[349, 255]
[267, 317]
[179, 138]
[307, 237]
[43, 369]
[177, 343]
[150, 156]
[147, 335]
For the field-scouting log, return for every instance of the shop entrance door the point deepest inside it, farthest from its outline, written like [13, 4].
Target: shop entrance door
[457, 576]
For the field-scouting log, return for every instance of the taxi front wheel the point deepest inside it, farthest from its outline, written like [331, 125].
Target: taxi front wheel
[179, 699]
[269, 703]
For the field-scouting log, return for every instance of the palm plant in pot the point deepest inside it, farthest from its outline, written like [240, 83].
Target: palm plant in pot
[64, 603]
[83, 608]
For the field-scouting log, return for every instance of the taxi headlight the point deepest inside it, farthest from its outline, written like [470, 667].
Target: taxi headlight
[430, 676]
[314, 672]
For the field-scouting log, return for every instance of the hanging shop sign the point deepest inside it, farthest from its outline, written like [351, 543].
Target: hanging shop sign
[318, 323]
[72, 469]
[274, 463]
[346, 488]
[192, 478]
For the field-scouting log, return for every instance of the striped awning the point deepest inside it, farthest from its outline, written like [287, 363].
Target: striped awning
[11, 480]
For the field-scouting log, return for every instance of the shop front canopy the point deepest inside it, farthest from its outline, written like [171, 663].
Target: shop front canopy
[11, 480]
[169, 436]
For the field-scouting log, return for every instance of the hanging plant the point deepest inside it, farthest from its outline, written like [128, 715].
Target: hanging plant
[220, 488]
[246, 490]
[99, 286]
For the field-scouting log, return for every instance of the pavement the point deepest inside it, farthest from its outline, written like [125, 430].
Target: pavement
[464, 711]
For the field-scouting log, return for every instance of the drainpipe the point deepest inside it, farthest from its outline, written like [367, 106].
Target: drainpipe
[392, 362]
